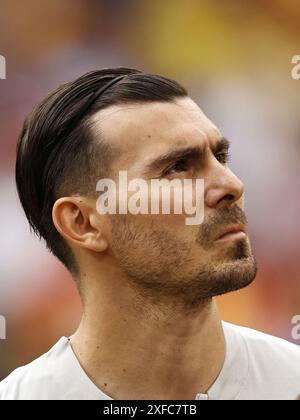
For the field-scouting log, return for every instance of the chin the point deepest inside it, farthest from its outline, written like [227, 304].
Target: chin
[222, 277]
[237, 274]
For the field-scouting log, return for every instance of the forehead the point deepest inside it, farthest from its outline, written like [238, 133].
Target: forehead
[141, 131]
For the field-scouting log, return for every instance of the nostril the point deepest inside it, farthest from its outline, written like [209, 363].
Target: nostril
[227, 198]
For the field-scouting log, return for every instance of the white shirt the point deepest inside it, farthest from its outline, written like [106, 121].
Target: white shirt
[257, 367]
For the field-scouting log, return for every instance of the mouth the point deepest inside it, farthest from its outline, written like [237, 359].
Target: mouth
[231, 233]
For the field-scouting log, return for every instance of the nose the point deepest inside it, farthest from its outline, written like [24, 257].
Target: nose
[222, 187]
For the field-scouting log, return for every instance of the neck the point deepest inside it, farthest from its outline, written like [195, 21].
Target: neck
[135, 350]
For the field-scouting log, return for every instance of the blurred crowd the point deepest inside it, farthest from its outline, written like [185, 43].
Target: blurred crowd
[235, 59]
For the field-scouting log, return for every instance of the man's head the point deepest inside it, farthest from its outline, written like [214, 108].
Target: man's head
[148, 126]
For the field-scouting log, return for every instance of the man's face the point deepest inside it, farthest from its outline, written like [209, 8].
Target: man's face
[161, 254]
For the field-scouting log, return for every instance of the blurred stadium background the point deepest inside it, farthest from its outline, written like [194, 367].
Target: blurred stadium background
[235, 59]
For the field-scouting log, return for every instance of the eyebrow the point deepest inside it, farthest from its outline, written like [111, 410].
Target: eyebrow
[222, 144]
[195, 153]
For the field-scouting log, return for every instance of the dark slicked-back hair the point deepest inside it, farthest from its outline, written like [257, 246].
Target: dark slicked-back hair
[57, 152]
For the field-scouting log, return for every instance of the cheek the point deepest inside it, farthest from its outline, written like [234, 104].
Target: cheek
[156, 232]
[175, 233]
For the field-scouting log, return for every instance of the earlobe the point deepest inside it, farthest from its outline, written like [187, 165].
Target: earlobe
[72, 217]
[101, 245]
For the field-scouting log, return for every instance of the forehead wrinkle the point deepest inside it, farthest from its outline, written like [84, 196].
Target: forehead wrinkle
[192, 138]
[156, 117]
[152, 111]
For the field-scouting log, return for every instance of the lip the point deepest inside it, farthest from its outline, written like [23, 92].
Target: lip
[232, 232]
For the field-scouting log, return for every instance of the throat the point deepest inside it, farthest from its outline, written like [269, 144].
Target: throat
[129, 358]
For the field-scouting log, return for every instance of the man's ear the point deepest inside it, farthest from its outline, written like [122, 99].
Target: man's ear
[76, 221]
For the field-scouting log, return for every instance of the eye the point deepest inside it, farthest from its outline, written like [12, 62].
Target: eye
[223, 157]
[181, 165]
